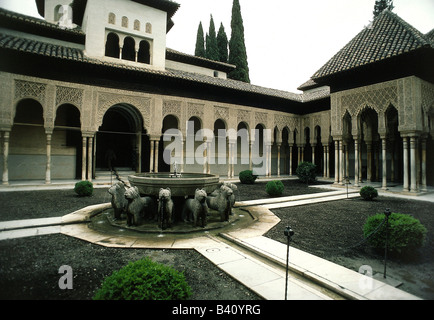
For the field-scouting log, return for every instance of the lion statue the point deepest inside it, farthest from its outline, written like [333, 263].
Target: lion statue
[119, 202]
[196, 207]
[230, 185]
[221, 202]
[138, 207]
[165, 208]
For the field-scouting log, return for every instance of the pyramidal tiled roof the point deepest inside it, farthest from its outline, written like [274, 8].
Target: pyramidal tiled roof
[387, 36]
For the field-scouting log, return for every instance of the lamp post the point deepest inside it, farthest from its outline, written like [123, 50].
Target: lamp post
[387, 213]
[288, 233]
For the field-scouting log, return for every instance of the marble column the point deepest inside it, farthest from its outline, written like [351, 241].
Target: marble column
[151, 156]
[341, 162]
[413, 177]
[423, 182]
[84, 158]
[336, 161]
[278, 159]
[6, 136]
[356, 162]
[157, 143]
[384, 161]
[290, 160]
[405, 163]
[89, 158]
[48, 165]
[139, 152]
[369, 160]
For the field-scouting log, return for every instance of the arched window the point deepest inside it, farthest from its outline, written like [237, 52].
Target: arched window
[112, 18]
[144, 54]
[125, 22]
[137, 25]
[112, 45]
[148, 28]
[129, 49]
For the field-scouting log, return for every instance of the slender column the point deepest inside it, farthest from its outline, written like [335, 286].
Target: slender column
[269, 161]
[157, 142]
[347, 161]
[48, 165]
[341, 162]
[151, 157]
[392, 161]
[324, 150]
[250, 154]
[405, 160]
[6, 135]
[313, 153]
[234, 155]
[139, 152]
[84, 158]
[89, 162]
[356, 162]
[205, 157]
[182, 155]
[336, 161]
[229, 158]
[384, 160]
[290, 160]
[208, 148]
[327, 161]
[423, 184]
[360, 162]
[278, 159]
[413, 178]
[369, 160]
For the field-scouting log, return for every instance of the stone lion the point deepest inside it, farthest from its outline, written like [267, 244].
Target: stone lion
[119, 202]
[196, 207]
[165, 208]
[221, 202]
[138, 207]
[230, 185]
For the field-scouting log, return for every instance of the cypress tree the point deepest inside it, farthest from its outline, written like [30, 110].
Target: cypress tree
[211, 50]
[200, 43]
[381, 5]
[222, 44]
[237, 46]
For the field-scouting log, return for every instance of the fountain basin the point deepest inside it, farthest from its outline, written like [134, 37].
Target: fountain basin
[185, 185]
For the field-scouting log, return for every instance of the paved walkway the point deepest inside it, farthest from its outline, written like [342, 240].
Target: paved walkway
[245, 254]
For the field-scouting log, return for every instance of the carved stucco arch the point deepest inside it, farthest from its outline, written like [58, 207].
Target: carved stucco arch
[140, 104]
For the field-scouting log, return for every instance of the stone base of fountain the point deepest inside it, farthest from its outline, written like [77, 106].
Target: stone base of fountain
[105, 222]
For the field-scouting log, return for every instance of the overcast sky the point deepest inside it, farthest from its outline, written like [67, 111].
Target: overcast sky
[287, 40]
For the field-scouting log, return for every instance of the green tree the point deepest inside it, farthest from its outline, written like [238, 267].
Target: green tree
[211, 42]
[381, 5]
[200, 42]
[222, 44]
[237, 46]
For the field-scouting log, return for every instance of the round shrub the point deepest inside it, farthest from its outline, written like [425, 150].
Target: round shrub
[84, 188]
[406, 233]
[274, 188]
[247, 177]
[144, 280]
[306, 172]
[368, 193]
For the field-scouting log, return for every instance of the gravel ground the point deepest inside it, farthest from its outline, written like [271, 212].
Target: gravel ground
[29, 266]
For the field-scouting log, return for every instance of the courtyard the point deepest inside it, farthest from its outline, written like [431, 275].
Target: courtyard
[328, 230]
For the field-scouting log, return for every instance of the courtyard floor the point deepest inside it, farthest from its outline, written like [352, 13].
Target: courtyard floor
[29, 266]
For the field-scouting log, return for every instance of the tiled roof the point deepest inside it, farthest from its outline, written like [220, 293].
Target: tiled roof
[198, 61]
[388, 36]
[11, 19]
[430, 36]
[66, 53]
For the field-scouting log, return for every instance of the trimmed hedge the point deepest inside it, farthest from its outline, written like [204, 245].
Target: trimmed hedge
[247, 177]
[406, 233]
[144, 280]
[306, 172]
[84, 188]
[274, 188]
[368, 193]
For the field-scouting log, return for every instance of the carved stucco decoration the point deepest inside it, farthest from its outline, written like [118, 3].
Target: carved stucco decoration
[108, 100]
